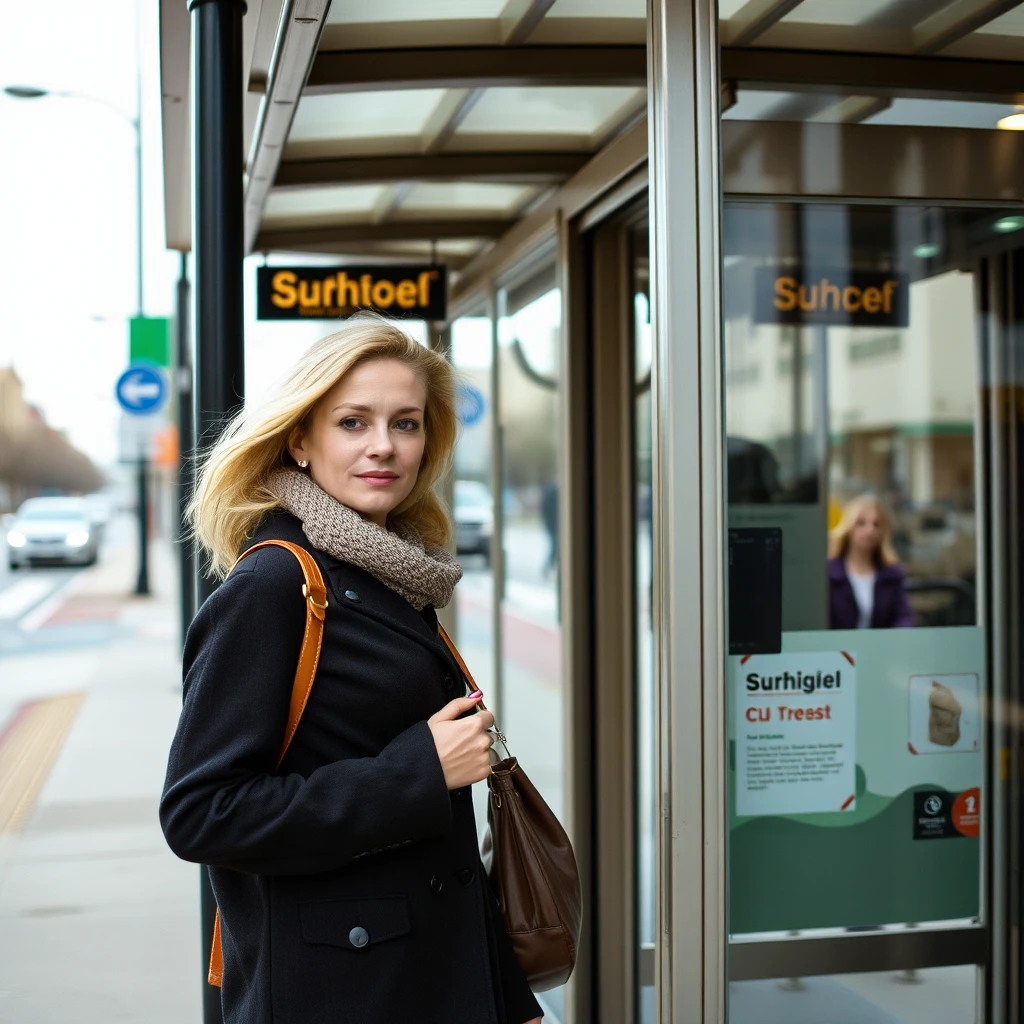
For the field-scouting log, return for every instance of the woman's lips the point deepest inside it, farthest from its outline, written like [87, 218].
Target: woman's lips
[378, 479]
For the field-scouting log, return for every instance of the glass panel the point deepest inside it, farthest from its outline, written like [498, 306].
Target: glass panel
[842, 108]
[399, 10]
[643, 595]
[345, 124]
[573, 111]
[945, 994]
[529, 363]
[856, 743]
[472, 356]
[465, 197]
[474, 500]
[315, 205]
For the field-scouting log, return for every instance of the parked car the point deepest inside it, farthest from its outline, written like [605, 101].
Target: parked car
[55, 530]
[474, 518]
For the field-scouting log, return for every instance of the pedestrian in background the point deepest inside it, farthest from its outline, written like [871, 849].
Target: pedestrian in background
[867, 585]
[349, 882]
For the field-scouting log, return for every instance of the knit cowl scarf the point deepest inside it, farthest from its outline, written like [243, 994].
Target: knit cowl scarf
[398, 558]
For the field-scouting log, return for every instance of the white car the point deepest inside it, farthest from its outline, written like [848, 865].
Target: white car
[474, 518]
[55, 530]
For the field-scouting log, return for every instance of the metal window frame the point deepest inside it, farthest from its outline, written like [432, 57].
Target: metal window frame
[683, 53]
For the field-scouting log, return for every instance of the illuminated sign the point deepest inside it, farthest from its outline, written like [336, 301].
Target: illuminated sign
[311, 293]
[855, 298]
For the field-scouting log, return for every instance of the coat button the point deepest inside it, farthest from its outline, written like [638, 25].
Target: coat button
[436, 885]
[359, 937]
[465, 876]
[352, 595]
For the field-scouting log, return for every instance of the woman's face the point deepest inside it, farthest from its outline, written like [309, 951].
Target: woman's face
[866, 535]
[365, 440]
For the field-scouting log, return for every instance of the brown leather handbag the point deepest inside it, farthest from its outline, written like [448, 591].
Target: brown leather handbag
[529, 860]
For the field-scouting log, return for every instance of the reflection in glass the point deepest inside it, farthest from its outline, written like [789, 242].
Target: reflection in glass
[474, 511]
[471, 354]
[529, 358]
[945, 994]
[643, 598]
[822, 412]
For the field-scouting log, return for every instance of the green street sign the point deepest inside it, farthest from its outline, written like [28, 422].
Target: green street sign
[150, 340]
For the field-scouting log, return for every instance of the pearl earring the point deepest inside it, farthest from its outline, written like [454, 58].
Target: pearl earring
[303, 463]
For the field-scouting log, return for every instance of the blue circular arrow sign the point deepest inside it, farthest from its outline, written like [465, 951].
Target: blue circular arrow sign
[141, 390]
[471, 404]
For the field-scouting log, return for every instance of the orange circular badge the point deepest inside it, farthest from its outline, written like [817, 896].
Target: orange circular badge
[966, 813]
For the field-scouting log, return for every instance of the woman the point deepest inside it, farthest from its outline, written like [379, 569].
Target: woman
[349, 882]
[866, 582]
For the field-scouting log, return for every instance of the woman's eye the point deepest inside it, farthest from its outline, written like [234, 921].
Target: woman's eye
[350, 423]
[409, 425]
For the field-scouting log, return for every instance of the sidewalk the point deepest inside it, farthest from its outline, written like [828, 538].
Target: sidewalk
[99, 922]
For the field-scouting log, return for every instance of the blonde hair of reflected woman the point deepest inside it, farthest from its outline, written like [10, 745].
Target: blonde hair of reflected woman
[231, 496]
[839, 536]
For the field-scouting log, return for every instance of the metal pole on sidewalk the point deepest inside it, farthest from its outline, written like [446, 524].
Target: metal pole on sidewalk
[142, 582]
[218, 249]
[184, 361]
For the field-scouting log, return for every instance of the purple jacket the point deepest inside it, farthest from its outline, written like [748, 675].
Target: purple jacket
[891, 605]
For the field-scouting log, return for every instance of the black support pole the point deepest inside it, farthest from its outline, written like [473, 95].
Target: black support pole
[186, 550]
[217, 242]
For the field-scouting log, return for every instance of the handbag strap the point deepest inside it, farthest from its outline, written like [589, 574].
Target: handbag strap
[469, 679]
[315, 593]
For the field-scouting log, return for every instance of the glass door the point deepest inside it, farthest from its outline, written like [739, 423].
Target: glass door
[859, 678]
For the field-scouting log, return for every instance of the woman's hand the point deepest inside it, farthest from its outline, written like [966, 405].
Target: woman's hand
[536, 1020]
[463, 745]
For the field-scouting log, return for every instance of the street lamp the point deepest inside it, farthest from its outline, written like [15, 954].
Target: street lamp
[31, 92]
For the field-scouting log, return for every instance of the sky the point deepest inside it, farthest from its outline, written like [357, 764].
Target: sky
[67, 208]
[67, 216]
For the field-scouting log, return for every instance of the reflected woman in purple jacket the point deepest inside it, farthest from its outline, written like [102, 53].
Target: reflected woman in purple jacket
[866, 582]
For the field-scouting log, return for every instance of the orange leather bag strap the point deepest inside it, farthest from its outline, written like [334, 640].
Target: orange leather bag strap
[458, 657]
[315, 593]
[469, 679]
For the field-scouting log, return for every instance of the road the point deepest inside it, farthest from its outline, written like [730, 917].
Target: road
[39, 611]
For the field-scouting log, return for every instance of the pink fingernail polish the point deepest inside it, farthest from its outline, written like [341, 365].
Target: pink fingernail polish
[475, 694]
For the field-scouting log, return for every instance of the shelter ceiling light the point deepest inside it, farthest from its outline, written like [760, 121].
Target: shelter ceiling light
[926, 250]
[25, 92]
[1014, 122]
[1007, 224]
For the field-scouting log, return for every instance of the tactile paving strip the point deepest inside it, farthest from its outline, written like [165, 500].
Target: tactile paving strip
[28, 749]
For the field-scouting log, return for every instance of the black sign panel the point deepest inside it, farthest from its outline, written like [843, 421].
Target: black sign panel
[855, 298]
[933, 817]
[755, 590]
[329, 293]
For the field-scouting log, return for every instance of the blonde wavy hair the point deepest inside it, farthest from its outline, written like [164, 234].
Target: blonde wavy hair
[839, 536]
[231, 496]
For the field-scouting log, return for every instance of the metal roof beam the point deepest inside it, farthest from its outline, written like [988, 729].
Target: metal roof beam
[874, 74]
[511, 168]
[519, 18]
[373, 252]
[451, 112]
[299, 239]
[298, 36]
[957, 20]
[476, 67]
[755, 17]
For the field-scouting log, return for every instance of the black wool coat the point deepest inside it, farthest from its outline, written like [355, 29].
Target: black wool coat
[349, 882]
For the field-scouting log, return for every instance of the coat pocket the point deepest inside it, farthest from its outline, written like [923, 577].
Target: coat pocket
[354, 923]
